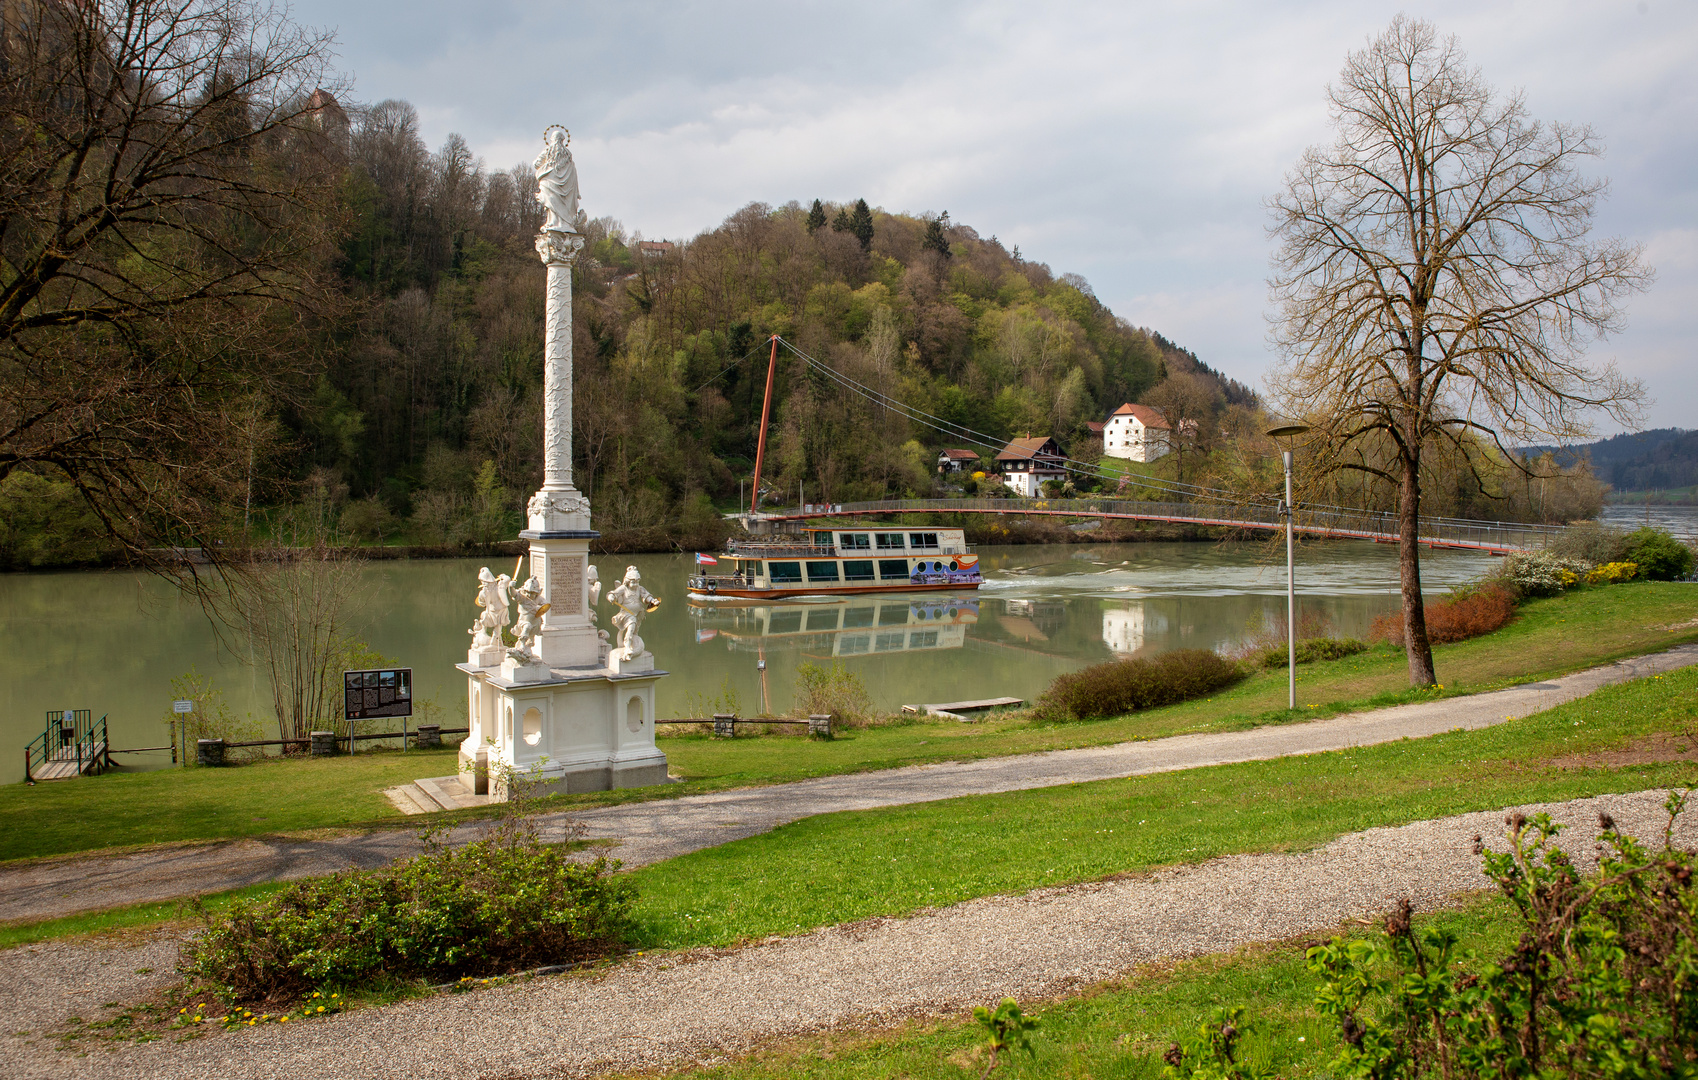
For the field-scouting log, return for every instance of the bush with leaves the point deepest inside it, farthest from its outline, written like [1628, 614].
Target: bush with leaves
[1612, 573]
[833, 690]
[1590, 541]
[1542, 573]
[1311, 650]
[498, 905]
[1123, 686]
[1602, 983]
[1212, 1053]
[1466, 613]
[1659, 555]
[1006, 1028]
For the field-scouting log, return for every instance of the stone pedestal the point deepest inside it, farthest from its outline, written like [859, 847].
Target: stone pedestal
[324, 744]
[428, 736]
[209, 752]
[487, 656]
[643, 661]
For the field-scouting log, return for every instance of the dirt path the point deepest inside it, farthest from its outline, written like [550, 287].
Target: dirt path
[661, 829]
[674, 1009]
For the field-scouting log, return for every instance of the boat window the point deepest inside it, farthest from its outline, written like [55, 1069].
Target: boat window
[858, 541]
[890, 642]
[893, 569]
[753, 568]
[853, 644]
[822, 619]
[822, 539]
[922, 540]
[858, 570]
[922, 639]
[893, 615]
[888, 541]
[784, 622]
[785, 571]
[858, 616]
[953, 565]
[822, 571]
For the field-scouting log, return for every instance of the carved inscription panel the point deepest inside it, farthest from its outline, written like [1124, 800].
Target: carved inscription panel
[566, 585]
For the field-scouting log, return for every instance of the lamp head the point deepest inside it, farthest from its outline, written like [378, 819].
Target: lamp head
[1287, 430]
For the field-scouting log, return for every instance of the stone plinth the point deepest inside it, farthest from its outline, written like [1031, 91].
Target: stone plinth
[209, 752]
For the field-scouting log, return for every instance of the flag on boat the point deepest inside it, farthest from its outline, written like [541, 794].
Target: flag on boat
[704, 559]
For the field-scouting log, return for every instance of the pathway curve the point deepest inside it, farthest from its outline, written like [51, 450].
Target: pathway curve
[664, 828]
[675, 1009]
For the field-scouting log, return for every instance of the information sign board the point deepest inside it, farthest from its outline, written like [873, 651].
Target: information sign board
[381, 692]
[182, 706]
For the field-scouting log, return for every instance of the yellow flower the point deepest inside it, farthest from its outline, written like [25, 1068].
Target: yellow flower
[321, 1008]
[283, 1019]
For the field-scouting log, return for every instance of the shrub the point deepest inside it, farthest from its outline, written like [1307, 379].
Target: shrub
[1310, 650]
[1123, 686]
[1590, 541]
[1457, 617]
[497, 905]
[835, 690]
[1660, 556]
[1612, 572]
[1542, 573]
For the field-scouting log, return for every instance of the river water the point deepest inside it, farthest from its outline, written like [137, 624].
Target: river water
[112, 641]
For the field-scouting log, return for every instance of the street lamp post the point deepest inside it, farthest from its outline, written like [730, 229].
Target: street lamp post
[1286, 510]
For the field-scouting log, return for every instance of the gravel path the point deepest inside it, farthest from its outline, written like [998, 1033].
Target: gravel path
[664, 828]
[674, 1009]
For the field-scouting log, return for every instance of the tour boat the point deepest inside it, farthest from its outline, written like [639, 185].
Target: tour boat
[839, 562]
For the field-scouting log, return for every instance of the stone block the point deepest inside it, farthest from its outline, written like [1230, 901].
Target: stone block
[324, 744]
[643, 661]
[725, 724]
[515, 670]
[428, 736]
[209, 752]
[819, 725]
[486, 657]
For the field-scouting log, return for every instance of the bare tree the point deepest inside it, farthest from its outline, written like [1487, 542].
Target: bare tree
[1188, 402]
[167, 200]
[1434, 277]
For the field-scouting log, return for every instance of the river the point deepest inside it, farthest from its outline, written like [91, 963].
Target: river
[112, 641]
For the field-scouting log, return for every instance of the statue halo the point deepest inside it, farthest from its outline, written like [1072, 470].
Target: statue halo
[550, 129]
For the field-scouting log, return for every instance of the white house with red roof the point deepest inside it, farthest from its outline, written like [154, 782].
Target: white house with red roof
[1136, 433]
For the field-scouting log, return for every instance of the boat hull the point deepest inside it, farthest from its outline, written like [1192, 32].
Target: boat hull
[784, 593]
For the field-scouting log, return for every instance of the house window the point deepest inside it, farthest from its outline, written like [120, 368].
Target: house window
[784, 572]
[858, 569]
[888, 541]
[822, 571]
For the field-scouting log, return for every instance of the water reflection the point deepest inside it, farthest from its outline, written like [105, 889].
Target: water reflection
[841, 629]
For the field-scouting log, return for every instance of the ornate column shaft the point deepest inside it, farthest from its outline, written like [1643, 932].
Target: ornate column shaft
[559, 251]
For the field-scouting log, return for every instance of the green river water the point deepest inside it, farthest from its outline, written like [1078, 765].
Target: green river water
[112, 641]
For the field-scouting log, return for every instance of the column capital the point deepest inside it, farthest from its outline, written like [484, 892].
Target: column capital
[559, 248]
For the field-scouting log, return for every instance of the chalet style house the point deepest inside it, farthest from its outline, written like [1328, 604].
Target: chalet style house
[954, 461]
[1026, 463]
[1136, 433]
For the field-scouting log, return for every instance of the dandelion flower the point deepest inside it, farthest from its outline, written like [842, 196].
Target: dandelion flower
[321, 1008]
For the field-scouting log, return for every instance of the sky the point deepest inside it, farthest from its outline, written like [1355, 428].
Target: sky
[1133, 143]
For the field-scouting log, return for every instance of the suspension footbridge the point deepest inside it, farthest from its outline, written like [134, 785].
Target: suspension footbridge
[1339, 523]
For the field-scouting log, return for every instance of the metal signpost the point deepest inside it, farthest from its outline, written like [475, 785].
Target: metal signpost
[377, 693]
[1288, 510]
[180, 707]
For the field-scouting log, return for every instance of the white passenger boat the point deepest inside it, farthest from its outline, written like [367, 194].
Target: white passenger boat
[839, 562]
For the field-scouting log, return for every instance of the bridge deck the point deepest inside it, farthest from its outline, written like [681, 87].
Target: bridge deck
[1496, 537]
[62, 765]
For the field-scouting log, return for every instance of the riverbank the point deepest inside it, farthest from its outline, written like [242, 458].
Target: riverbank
[281, 798]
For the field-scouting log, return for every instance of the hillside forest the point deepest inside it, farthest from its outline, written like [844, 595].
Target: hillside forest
[414, 414]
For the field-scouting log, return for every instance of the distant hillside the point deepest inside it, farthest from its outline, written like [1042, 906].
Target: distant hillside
[1642, 461]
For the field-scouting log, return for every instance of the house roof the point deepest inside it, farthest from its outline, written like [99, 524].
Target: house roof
[1095, 427]
[1146, 415]
[959, 455]
[1024, 449]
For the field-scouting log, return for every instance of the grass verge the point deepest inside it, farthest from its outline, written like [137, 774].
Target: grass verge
[1580, 629]
[129, 917]
[1118, 1029]
[838, 868]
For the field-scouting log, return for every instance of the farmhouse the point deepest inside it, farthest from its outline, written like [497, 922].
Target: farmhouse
[954, 461]
[1026, 463]
[1136, 433]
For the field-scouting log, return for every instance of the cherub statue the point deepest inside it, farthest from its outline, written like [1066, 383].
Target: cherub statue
[557, 181]
[634, 602]
[528, 626]
[492, 598]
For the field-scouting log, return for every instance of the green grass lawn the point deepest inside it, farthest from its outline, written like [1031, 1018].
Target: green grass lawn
[837, 868]
[1550, 637]
[270, 796]
[1120, 1029]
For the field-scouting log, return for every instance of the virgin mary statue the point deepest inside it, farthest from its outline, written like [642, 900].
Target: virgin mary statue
[557, 182]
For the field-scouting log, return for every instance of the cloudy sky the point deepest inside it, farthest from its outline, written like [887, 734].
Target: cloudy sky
[1133, 143]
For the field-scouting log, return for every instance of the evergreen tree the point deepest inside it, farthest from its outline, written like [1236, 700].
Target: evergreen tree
[937, 235]
[861, 224]
[816, 217]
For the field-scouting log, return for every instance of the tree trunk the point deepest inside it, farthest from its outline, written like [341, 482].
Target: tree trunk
[1415, 640]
